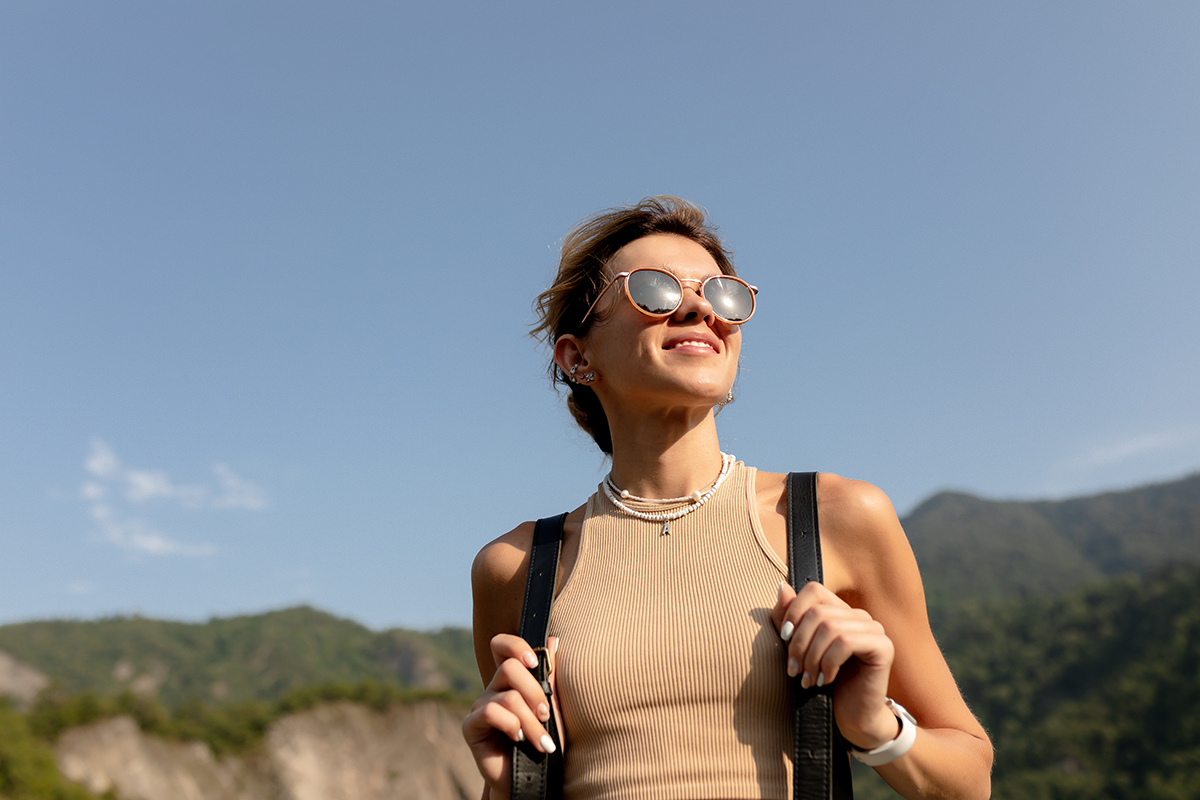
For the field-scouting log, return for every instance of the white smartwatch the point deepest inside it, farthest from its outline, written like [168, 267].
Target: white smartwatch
[888, 752]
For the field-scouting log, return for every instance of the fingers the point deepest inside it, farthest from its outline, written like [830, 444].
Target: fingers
[791, 606]
[786, 595]
[506, 646]
[512, 709]
[516, 705]
[509, 714]
[824, 632]
[827, 639]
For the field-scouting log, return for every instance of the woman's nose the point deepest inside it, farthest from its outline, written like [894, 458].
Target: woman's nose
[693, 302]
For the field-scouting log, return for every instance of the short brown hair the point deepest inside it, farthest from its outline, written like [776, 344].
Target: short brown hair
[583, 273]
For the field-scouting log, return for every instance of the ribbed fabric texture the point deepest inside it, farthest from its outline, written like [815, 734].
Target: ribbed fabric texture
[671, 677]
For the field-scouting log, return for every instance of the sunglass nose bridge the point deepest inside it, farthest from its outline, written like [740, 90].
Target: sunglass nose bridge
[697, 287]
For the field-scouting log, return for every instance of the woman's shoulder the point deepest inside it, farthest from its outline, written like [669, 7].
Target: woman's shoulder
[853, 500]
[502, 560]
[862, 541]
[497, 588]
[500, 568]
[860, 516]
[865, 539]
[841, 500]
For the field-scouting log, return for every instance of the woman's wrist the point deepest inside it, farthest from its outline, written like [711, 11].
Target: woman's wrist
[882, 728]
[889, 750]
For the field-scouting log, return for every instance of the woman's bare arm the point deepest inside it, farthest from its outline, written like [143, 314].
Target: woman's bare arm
[874, 640]
[513, 706]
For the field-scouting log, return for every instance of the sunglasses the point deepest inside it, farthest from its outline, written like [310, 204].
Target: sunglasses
[657, 293]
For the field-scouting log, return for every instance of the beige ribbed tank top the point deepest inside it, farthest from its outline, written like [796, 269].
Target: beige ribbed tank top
[671, 678]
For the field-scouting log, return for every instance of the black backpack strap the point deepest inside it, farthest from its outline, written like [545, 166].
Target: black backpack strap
[820, 762]
[537, 775]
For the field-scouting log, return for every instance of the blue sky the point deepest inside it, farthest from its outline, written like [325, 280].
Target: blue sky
[266, 270]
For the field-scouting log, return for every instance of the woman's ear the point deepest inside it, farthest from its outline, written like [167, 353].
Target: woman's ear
[569, 352]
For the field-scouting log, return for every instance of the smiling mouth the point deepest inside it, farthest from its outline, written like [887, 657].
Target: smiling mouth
[692, 343]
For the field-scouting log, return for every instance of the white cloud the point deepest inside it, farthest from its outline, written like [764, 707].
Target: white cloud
[237, 493]
[1120, 450]
[1122, 460]
[102, 462]
[144, 485]
[137, 536]
[112, 490]
[94, 491]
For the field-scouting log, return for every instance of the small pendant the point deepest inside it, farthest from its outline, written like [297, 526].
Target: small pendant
[666, 531]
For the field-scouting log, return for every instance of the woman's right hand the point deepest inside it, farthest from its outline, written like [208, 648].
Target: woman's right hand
[512, 708]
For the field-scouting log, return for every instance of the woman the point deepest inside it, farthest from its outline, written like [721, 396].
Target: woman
[674, 628]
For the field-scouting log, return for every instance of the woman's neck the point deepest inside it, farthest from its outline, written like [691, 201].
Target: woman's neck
[658, 461]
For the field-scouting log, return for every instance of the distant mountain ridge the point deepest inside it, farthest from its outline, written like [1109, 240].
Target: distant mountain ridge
[974, 549]
[236, 659]
[969, 550]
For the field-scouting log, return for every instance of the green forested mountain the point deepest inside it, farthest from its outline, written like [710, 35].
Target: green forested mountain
[1093, 694]
[222, 682]
[261, 657]
[970, 548]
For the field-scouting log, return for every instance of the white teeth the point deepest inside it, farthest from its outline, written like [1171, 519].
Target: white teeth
[693, 344]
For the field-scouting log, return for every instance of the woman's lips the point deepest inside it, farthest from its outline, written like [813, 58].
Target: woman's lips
[696, 342]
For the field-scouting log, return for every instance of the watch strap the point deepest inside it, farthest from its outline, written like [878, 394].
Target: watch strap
[888, 752]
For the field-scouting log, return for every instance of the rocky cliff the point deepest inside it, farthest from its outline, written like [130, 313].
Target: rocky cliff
[19, 681]
[337, 751]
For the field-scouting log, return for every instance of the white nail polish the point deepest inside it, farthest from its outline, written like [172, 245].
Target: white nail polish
[520, 734]
[820, 679]
[547, 744]
[786, 631]
[781, 585]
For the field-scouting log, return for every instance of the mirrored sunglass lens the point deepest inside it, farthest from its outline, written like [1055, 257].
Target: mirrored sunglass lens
[654, 292]
[730, 299]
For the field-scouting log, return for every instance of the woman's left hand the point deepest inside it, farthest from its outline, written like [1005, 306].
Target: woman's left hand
[831, 642]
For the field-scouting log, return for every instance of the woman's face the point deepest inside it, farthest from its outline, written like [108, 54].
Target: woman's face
[686, 359]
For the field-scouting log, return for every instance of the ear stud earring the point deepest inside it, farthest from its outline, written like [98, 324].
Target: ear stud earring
[584, 379]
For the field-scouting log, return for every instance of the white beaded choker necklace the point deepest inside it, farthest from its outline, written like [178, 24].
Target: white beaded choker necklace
[665, 517]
